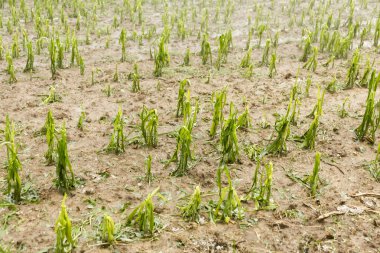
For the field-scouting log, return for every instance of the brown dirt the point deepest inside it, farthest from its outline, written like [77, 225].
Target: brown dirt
[31, 227]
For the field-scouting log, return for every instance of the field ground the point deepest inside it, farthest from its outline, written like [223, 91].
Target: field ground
[111, 182]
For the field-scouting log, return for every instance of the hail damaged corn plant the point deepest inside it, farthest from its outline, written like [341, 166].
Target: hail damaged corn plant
[116, 144]
[225, 42]
[182, 154]
[246, 61]
[272, 65]
[190, 211]
[161, 58]
[308, 138]
[353, 71]
[186, 58]
[149, 124]
[219, 100]
[50, 138]
[228, 138]
[108, 230]
[63, 231]
[371, 117]
[122, 42]
[312, 62]
[228, 206]
[30, 58]
[135, 76]
[143, 216]
[313, 179]
[148, 170]
[205, 49]
[183, 87]
[82, 118]
[374, 166]
[65, 180]
[13, 164]
[11, 69]
[265, 56]
[244, 120]
[260, 191]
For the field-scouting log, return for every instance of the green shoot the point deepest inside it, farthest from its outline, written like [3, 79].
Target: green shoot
[63, 230]
[353, 71]
[312, 62]
[229, 205]
[342, 111]
[122, 41]
[374, 166]
[108, 230]
[219, 100]
[161, 59]
[244, 120]
[52, 97]
[182, 153]
[306, 49]
[148, 166]
[143, 215]
[206, 50]
[265, 56]
[117, 139]
[30, 58]
[313, 179]
[261, 188]
[246, 61]
[272, 65]
[228, 138]
[149, 124]
[135, 79]
[65, 180]
[183, 87]
[50, 132]
[53, 57]
[81, 120]
[186, 58]
[81, 66]
[260, 31]
[11, 69]
[190, 211]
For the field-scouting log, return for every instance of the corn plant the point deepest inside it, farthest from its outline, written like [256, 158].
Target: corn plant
[272, 65]
[81, 66]
[342, 111]
[260, 31]
[143, 215]
[189, 114]
[52, 97]
[228, 138]
[367, 74]
[374, 166]
[186, 58]
[332, 87]
[225, 41]
[135, 76]
[148, 170]
[65, 180]
[50, 134]
[183, 87]
[308, 138]
[371, 117]
[313, 179]
[306, 48]
[11, 69]
[228, 206]
[265, 56]
[30, 58]
[161, 58]
[74, 51]
[205, 49]
[53, 58]
[244, 120]
[246, 61]
[63, 230]
[117, 139]
[248, 44]
[149, 124]
[312, 62]
[82, 118]
[60, 54]
[190, 211]
[219, 100]
[182, 154]
[122, 42]
[261, 189]
[353, 71]
[13, 165]
[108, 230]
[377, 33]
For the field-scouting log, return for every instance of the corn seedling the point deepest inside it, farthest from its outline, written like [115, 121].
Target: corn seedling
[135, 79]
[189, 115]
[313, 179]
[312, 62]
[246, 61]
[190, 211]
[148, 169]
[63, 230]
[272, 65]
[331, 60]
[265, 56]
[11, 69]
[228, 138]
[308, 138]
[65, 180]
[81, 120]
[377, 33]
[81, 66]
[117, 139]
[225, 41]
[261, 188]
[371, 117]
[307, 87]
[228, 206]
[30, 58]
[244, 121]
[248, 44]
[149, 124]
[52, 97]
[342, 111]
[374, 166]
[186, 58]
[13, 164]
[306, 48]
[205, 50]
[353, 71]
[161, 59]
[182, 154]
[183, 88]
[366, 75]
[122, 42]
[143, 215]
[332, 87]
[260, 31]
[108, 230]
[53, 58]
[219, 100]
[50, 134]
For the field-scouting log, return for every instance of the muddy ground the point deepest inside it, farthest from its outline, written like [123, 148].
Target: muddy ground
[292, 227]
